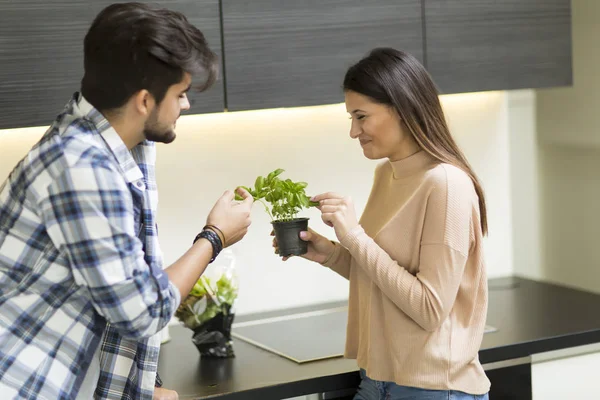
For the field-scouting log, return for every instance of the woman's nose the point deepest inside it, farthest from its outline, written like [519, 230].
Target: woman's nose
[354, 129]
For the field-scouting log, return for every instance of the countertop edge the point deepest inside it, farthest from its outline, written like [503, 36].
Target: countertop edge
[347, 380]
[525, 349]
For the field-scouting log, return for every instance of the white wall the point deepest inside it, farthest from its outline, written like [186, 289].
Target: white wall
[525, 184]
[556, 170]
[569, 116]
[221, 151]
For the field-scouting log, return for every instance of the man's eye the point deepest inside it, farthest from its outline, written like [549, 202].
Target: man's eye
[360, 117]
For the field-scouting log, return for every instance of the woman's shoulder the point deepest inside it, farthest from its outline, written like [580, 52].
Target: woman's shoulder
[451, 180]
[449, 174]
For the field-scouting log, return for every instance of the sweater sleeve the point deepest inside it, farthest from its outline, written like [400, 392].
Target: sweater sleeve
[339, 261]
[428, 296]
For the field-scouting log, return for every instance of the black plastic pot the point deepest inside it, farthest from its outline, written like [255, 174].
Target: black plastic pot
[213, 337]
[287, 234]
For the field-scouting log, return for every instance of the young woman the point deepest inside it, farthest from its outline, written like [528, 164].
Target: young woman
[418, 286]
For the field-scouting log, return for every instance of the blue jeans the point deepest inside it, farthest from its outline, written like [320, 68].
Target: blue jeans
[370, 389]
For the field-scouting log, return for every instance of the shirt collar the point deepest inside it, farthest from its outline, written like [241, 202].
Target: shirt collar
[130, 168]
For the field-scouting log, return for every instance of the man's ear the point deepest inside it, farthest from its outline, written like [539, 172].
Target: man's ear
[144, 102]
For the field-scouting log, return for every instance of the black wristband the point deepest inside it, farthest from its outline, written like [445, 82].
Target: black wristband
[214, 240]
[215, 229]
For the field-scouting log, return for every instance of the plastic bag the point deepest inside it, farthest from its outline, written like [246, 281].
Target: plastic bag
[209, 309]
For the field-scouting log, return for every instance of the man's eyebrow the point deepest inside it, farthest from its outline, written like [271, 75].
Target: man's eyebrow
[187, 89]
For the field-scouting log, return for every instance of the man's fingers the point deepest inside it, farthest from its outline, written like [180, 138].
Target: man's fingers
[164, 394]
[244, 194]
[228, 196]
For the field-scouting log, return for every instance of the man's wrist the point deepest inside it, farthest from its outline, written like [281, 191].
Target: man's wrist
[218, 231]
[213, 239]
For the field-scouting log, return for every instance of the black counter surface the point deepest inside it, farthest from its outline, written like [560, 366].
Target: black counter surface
[531, 317]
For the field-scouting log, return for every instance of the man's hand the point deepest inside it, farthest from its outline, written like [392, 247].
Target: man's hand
[232, 217]
[164, 394]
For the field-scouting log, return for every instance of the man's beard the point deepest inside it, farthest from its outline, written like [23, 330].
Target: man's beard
[155, 132]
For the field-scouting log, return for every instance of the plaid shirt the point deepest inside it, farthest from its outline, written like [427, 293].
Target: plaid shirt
[79, 255]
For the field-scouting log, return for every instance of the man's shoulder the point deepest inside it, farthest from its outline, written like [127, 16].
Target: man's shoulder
[74, 142]
[62, 148]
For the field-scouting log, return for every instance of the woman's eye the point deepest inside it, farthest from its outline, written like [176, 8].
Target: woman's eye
[360, 117]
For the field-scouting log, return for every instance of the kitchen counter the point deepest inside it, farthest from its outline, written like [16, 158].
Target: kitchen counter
[531, 317]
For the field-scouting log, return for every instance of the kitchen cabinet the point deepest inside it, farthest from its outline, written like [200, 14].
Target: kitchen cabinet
[510, 380]
[476, 45]
[204, 14]
[41, 48]
[282, 53]
[285, 53]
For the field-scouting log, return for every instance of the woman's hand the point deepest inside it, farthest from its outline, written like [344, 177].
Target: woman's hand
[319, 247]
[337, 211]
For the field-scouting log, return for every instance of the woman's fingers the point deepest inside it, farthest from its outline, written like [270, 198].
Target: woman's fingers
[328, 195]
[332, 202]
[332, 209]
[326, 218]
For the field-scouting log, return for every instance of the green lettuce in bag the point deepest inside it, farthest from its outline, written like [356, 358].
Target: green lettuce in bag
[209, 308]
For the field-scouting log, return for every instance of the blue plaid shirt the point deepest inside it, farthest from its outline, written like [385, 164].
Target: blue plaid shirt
[79, 256]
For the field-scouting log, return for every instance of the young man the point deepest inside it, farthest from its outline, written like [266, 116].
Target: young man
[83, 292]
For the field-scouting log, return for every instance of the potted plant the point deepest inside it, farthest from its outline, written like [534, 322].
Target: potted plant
[209, 308]
[286, 199]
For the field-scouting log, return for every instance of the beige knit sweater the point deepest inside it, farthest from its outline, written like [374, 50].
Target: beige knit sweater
[418, 285]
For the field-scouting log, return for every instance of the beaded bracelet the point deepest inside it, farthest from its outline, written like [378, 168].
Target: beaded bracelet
[214, 240]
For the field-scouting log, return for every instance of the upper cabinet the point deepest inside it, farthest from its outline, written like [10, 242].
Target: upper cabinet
[204, 14]
[287, 53]
[281, 53]
[475, 45]
[41, 53]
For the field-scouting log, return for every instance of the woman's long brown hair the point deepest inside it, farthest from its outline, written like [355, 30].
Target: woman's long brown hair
[399, 80]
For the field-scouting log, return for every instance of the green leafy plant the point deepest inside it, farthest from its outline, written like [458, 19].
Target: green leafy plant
[286, 197]
[207, 299]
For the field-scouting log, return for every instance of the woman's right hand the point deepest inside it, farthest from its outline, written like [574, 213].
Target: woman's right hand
[319, 247]
[231, 217]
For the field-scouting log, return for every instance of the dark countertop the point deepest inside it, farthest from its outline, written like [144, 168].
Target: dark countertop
[532, 317]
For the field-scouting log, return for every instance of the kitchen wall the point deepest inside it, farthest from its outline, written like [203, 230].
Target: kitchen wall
[525, 183]
[220, 151]
[556, 179]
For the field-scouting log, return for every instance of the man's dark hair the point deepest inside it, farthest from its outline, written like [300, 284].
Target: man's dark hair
[132, 46]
